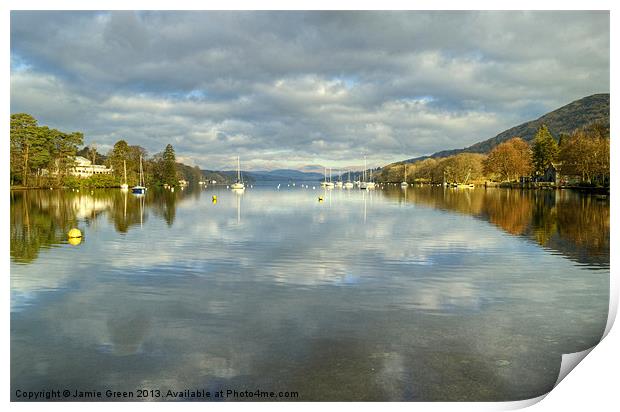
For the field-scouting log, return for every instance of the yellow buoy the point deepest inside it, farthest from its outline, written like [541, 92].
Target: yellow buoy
[75, 241]
[75, 233]
[320, 198]
[214, 199]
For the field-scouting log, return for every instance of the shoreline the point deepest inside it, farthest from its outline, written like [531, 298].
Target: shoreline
[486, 185]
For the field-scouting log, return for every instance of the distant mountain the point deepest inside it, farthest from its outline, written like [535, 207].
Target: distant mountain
[284, 174]
[566, 119]
[229, 176]
[312, 169]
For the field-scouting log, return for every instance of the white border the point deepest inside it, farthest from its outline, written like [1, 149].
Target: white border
[593, 385]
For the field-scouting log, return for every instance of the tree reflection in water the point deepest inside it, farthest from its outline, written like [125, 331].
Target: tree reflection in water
[573, 224]
[42, 218]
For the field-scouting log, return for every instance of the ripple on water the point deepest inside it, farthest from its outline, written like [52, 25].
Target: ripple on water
[439, 296]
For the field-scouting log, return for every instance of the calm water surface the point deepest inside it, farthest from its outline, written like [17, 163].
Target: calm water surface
[418, 294]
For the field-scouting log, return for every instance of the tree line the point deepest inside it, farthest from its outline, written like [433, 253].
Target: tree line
[35, 149]
[582, 155]
[42, 157]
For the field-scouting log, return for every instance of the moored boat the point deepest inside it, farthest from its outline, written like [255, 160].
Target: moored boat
[139, 189]
[238, 185]
[125, 186]
[404, 182]
[327, 183]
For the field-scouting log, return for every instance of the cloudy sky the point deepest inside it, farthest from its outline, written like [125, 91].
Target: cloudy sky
[291, 89]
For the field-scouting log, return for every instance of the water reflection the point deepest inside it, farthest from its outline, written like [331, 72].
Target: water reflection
[42, 218]
[568, 222]
[238, 193]
[421, 294]
[39, 219]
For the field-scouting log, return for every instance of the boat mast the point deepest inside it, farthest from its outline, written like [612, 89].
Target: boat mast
[467, 178]
[238, 170]
[141, 173]
[125, 170]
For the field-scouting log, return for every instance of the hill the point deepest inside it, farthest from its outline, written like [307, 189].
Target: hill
[566, 119]
[285, 174]
[279, 175]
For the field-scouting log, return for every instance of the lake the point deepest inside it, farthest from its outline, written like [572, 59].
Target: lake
[423, 294]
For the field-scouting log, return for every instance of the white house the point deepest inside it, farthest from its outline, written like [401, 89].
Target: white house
[85, 168]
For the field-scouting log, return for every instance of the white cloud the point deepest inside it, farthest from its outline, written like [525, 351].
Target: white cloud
[287, 89]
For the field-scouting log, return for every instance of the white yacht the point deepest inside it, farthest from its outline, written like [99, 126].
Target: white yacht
[366, 184]
[125, 186]
[348, 184]
[327, 183]
[238, 185]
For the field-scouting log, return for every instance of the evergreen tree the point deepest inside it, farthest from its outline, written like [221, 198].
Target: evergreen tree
[23, 131]
[35, 148]
[63, 148]
[169, 166]
[544, 151]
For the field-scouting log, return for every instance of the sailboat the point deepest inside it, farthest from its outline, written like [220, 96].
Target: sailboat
[349, 184]
[367, 184]
[370, 184]
[465, 185]
[363, 182]
[238, 185]
[404, 182]
[140, 189]
[125, 186]
[325, 182]
[338, 183]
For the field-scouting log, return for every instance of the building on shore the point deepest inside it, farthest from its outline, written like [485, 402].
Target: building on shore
[82, 167]
[85, 168]
[558, 175]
